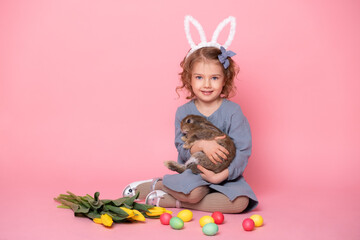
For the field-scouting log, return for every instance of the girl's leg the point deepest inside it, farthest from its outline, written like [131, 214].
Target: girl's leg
[200, 199]
[170, 200]
[219, 202]
[193, 197]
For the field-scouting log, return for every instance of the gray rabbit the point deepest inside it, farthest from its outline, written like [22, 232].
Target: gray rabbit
[194, 128]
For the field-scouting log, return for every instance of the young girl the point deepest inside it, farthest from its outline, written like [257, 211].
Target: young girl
[208, 75]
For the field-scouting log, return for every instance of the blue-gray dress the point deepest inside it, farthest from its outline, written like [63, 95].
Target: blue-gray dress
[229, 119]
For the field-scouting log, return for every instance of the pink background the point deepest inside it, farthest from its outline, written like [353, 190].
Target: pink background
[87, 104]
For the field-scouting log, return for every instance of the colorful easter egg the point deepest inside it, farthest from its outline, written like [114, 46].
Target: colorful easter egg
[165, 218]
[210, 229]
[176, 223]
[185, 215]
[205, 219]
[248, 224]
[258, 220]
[218, 217]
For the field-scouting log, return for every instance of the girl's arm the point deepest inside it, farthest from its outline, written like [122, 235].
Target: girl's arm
[211, 148]
[212, 177]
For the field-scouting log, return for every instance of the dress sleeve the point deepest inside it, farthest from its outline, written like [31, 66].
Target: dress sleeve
[240, 133]
[184, 154]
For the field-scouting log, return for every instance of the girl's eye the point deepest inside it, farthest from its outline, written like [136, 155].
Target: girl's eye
[215, 78]
[198, 77]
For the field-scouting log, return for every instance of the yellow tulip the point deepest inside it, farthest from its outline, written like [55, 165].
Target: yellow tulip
[97, 220]
[134, 214]
[138, 216]
[128, 211]
[106, 220]
[157, 211]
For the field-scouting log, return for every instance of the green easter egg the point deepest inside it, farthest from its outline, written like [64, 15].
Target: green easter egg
[210, 229]
[176, 223]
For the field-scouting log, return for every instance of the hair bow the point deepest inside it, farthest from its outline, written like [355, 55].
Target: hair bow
[223, 57]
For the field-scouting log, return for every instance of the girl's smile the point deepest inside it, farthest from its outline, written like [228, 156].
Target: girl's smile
[207, 92]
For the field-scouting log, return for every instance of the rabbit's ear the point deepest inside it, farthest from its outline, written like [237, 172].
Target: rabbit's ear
[221, 26]
[197, 25]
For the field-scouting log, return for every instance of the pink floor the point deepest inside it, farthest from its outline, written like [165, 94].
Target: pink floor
[303, 214]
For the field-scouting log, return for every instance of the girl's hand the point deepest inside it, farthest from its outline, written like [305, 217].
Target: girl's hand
[212, 149]
[212, 177]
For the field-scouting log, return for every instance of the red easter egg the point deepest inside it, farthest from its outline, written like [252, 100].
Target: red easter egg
[248, 224]
[165, 218]
[218, 217]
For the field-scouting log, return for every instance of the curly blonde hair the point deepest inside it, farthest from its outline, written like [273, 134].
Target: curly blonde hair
[203, 54]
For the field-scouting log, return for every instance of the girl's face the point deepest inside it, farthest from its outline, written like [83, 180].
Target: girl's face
[207, 80]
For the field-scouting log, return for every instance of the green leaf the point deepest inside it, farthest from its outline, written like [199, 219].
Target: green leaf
[93, 214]
[96, 196]
[118, 211]
[90, 197]
[127, 206]
[130, 201]
[114, 217]
[81, 209]
[106, 201]
[96, 203]
[118, 202]
[142, 207]
[85, 202]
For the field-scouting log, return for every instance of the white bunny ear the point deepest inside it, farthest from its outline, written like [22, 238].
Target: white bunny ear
[197, 25]
[203, 41]
[221, 26]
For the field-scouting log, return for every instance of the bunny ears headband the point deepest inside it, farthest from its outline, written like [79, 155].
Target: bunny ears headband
[213, 43]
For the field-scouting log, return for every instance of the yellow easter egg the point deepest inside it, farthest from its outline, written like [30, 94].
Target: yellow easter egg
[258, 220]
[185, 215]
[205, 219]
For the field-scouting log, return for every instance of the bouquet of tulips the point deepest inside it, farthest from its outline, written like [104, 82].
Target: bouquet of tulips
[106, 211]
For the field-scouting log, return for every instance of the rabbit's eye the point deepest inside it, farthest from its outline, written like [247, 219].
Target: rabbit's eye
[188, 120]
